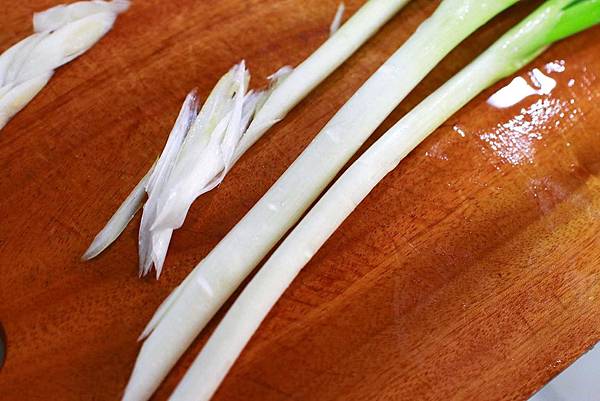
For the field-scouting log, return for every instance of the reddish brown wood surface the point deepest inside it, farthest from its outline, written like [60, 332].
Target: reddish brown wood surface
[471, 273]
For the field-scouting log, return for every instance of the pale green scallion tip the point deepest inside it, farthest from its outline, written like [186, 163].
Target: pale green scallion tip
[552, 21]
[576, 16]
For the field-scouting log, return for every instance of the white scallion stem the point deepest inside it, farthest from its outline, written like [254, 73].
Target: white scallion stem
[61, 15]
[159, 178]
[326, 59]
[119, 220]
[337, 19]
[506, 56]
[220, 273]
[62, 33]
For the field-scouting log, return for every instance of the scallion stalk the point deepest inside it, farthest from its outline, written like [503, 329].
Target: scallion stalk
[554, 20]
[183, 315]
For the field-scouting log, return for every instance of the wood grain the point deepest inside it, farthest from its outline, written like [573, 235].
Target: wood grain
[471, 273]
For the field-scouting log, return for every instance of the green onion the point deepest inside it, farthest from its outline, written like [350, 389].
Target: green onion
[120, 219]
[337, 19]
[555, 19]
[61, 34]
[303, 79]
[185, 312]
[231, 120]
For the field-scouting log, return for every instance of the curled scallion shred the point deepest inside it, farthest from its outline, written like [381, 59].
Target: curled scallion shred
[61, 34]
[201, 148]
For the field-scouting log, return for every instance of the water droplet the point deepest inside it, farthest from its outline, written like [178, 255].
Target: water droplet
[555, 66]
[519, 89]
[459, 130]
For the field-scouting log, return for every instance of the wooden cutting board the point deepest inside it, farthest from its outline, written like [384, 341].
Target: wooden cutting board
[471, 273]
